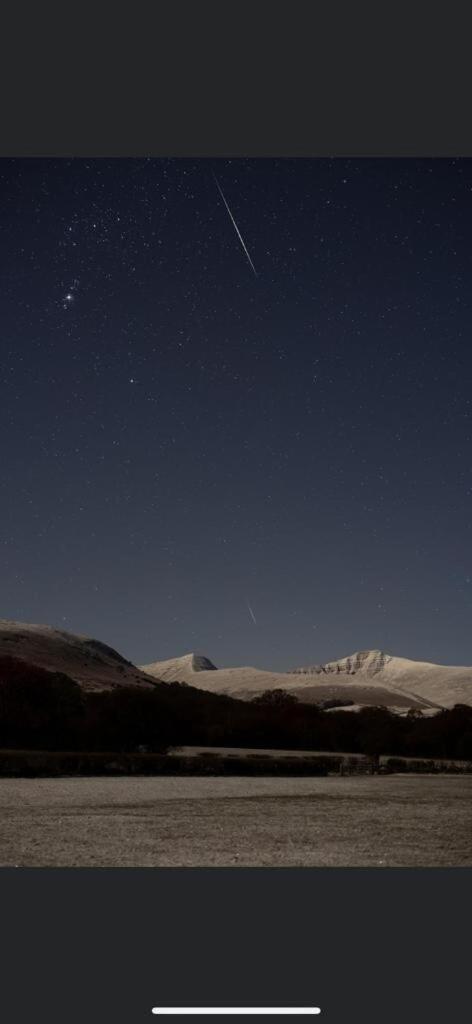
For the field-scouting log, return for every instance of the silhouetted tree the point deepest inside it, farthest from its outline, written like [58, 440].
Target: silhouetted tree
[275, 699]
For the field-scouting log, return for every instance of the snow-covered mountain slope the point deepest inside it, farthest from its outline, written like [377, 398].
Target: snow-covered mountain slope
[309, 685]
[445, 685]
[92, 664]
[180, 670]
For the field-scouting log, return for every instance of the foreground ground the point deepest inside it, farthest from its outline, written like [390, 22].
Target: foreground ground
[393, 821]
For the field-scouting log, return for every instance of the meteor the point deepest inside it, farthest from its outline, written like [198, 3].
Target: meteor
[253, 617]
[241, 239]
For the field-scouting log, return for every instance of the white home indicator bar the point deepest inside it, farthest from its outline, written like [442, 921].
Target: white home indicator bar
[236, 1010]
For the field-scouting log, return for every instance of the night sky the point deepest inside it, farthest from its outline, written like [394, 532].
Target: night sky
[269, 467]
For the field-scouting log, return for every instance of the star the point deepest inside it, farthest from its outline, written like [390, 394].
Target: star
[69, 297]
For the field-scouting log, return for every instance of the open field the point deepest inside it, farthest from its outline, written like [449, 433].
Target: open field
[397, 821]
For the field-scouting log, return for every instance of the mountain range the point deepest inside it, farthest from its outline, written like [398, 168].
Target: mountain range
[367, 678]
[364, 678]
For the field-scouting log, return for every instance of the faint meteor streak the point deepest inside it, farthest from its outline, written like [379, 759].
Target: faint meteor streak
[253, 617]
[241, 239]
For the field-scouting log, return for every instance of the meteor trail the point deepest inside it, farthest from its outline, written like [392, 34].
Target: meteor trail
[253, 617]
[241, 239]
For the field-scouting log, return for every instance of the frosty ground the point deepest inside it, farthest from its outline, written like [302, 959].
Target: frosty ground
[385, 821]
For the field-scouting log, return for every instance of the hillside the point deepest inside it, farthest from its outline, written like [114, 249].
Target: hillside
[92, 664]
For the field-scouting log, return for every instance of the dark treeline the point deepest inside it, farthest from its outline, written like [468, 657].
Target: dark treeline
[41, 710]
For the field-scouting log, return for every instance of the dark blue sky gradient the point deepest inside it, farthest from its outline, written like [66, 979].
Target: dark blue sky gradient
[180, 437]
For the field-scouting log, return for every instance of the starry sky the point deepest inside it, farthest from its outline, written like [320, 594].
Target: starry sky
[256, 446]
